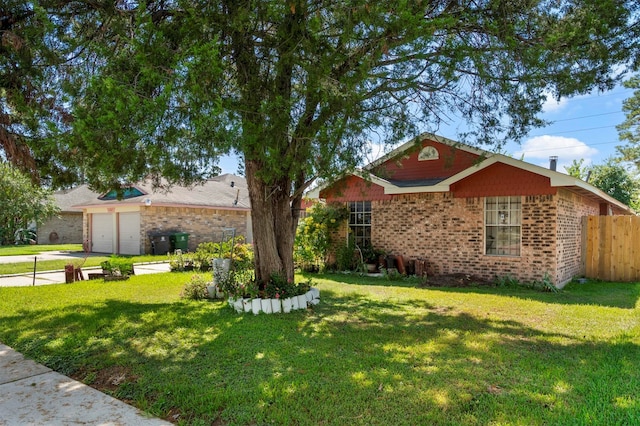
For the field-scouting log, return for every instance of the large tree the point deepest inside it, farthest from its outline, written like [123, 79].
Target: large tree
[36, 53]
[22, 203]
[629, 130]
[298, 88]
[611, 177]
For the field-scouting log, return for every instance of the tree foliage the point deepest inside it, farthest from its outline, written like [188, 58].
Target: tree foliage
[298, 88]
[22, 203]
[629, 130]
[36, 55]
[611, 177]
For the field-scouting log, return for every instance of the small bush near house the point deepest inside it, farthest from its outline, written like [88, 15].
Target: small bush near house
[346, 257]
[195, 288]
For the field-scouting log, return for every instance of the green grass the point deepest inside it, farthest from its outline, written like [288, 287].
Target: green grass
[16, 250]
[58, 265]
[374, 352]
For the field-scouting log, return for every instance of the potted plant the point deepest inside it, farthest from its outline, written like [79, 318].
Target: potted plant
[371, 257]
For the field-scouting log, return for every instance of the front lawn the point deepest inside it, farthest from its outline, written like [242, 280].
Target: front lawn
[26, 249]
[374, 352]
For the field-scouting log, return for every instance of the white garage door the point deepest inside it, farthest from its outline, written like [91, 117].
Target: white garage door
[129, 235]
[102, 233]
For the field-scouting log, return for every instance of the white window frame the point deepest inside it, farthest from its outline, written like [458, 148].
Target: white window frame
[360, 222]
[503, 226]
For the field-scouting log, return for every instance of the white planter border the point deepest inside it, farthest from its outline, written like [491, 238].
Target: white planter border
[312, 297]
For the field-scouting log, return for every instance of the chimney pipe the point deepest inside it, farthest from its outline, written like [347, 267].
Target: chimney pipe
[553, 162]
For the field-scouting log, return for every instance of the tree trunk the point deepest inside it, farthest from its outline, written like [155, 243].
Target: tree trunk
[272, 224]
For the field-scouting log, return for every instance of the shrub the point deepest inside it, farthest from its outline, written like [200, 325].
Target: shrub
[346, 258]
[313, 236]
[195, 288]
[117, 266]
[279, 285]
[181, 261]
[242, 254]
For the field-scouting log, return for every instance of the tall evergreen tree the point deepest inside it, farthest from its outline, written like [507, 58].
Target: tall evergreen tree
[298, 87]
[629, 130]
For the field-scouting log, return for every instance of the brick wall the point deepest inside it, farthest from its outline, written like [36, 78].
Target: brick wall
[68, 227]
[449, 233]
[571, 209]
[202, 225]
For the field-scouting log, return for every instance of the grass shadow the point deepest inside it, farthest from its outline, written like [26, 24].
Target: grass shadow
[353, 359]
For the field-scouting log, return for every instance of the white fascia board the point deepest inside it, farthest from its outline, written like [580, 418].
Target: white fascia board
[416, 189]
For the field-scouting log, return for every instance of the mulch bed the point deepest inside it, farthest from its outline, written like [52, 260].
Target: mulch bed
[456, 280]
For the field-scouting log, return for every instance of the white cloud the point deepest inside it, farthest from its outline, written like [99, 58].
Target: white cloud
[552, 105]
[566, 149]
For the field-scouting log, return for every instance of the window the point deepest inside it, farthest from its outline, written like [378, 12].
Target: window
[502, 226]
[360, 222]
[428, 153]
[127, 193]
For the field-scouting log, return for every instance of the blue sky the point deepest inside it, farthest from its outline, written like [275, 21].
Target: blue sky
[584, 127]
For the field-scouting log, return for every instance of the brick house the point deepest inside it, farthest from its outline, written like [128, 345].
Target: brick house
[66, 228]
[129, 225]
[465, 210]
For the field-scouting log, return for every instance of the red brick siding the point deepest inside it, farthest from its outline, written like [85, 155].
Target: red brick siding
[451, 161]
[449, 233]
[571, 209]
[354, 188]
[539, 230]
[500, 180]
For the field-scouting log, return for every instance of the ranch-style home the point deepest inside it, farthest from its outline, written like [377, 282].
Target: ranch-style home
[465, 210]
[144, 219]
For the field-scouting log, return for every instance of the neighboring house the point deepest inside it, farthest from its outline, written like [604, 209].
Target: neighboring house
[465, 210]
[66, 228]
[127, 226]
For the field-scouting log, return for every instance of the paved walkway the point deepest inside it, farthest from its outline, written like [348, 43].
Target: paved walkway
[48, 255]
[32, 394]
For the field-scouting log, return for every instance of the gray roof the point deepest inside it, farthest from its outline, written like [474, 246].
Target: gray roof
[225, 192]
[67, 198]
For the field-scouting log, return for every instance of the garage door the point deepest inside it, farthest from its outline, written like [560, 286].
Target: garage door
[102, 233]
[129, 234]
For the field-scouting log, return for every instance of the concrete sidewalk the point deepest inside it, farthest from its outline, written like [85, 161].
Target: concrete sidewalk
[57, 277]
[32, 394]
[48, 255]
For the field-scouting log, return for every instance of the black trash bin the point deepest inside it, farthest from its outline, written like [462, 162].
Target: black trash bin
[160, 244]
[180, 241]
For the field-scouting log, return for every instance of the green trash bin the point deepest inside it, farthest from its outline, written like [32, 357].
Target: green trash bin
[180, 240]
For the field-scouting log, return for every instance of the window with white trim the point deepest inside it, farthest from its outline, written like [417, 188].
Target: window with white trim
[360, 222]
[503, 225]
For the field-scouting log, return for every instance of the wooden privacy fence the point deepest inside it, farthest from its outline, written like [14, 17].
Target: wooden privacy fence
[611, 247]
